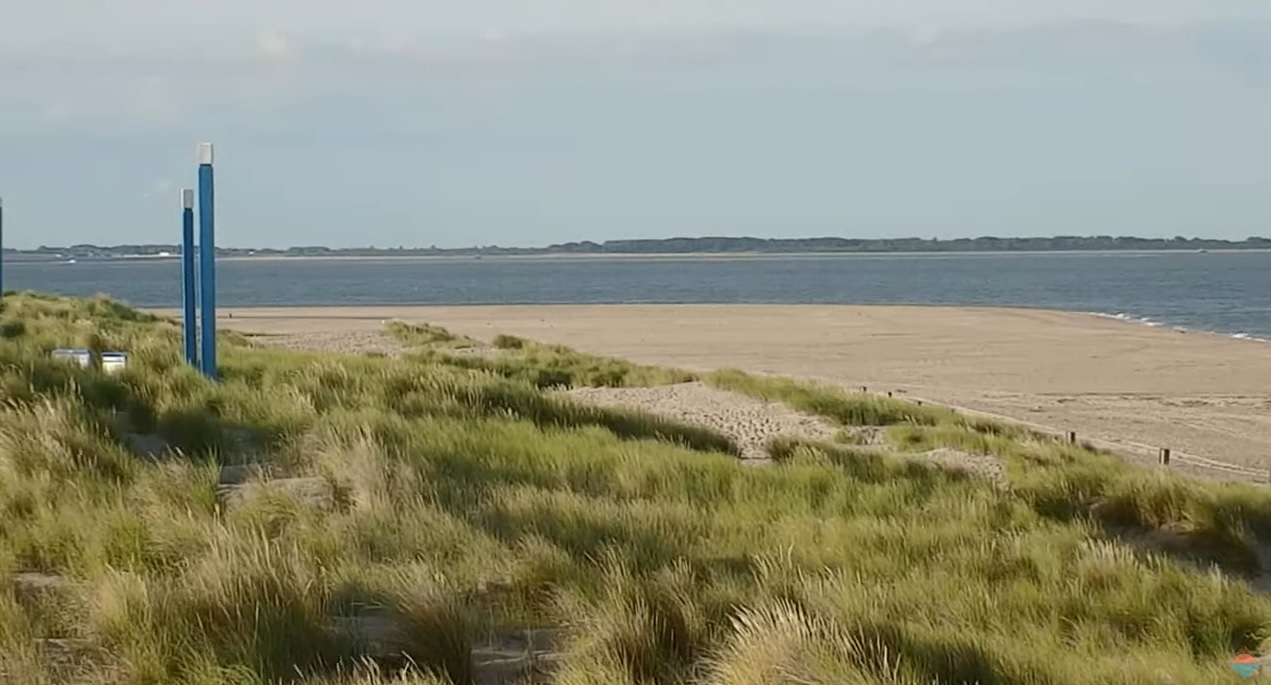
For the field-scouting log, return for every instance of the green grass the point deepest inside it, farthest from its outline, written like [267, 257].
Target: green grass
[418, 335]
[853, 408]
[467, 502]
[1223, 525]
[542, 366]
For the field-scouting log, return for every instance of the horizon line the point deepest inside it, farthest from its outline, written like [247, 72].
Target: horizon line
[630, 241]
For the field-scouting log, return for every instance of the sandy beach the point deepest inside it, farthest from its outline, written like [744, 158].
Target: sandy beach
[1207, 397]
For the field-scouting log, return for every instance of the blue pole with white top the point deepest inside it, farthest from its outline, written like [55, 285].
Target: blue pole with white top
[189, 287]
[207, 261]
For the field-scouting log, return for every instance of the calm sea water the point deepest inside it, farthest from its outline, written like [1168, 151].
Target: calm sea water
[1223, 292]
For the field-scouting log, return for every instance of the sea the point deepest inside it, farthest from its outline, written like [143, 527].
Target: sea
[1222, 292]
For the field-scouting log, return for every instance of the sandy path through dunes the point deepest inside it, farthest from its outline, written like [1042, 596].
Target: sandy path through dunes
[1200, 394]
[749, 423]
[753, 424]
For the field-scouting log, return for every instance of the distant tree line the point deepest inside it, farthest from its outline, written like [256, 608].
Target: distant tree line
[707, 245]
[983, 244]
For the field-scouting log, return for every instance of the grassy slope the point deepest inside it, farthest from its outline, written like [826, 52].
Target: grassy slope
[469, 501]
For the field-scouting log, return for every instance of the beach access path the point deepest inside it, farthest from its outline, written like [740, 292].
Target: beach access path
[1205, 396]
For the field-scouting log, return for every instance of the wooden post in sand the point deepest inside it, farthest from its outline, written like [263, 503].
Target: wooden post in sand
[1072, 437]
[888, 393]
[1165, 456]
[864, 389]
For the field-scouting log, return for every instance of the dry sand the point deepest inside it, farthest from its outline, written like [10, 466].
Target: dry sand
[1207, 397]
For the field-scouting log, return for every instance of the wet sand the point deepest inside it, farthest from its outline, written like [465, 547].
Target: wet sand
[1207, 397]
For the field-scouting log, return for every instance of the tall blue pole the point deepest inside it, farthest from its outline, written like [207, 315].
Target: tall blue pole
[189, 287]
[207, 261]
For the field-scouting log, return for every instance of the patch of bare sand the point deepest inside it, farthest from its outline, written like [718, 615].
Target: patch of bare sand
[752, 424]
[982, 465]
[1133, 387]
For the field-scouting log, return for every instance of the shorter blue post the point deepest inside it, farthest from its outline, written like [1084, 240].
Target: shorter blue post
[189, 286]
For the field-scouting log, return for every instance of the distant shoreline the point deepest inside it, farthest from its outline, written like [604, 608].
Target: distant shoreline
[31, 259]
[720, 247]
[718, 255]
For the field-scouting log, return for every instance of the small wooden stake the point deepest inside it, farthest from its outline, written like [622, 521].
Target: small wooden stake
[864, 389]
[1072, 437]
[1165, 456]
[889, 393]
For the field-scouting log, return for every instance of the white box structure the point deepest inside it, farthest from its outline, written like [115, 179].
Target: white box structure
[79, 356]
[114, 362]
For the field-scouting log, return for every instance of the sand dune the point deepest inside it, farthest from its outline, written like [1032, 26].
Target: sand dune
[1203, 395]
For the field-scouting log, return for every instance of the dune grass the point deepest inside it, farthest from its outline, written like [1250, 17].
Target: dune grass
[538, 364]
[427, 335]
[467, 503]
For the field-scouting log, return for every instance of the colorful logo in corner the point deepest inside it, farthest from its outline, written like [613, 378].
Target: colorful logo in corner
[1245, 665]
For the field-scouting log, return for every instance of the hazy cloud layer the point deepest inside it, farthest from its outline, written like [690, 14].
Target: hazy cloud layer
[138, 25]
[330, 132]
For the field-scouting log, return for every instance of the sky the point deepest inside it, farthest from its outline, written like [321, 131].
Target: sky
[479, 122]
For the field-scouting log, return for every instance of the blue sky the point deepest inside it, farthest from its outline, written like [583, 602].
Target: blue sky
[525, 123]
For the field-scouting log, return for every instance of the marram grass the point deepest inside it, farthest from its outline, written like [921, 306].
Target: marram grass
[466, 502]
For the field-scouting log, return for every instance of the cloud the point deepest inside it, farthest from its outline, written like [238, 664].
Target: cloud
[58, 112]
[273, 46]
[159, 188]
[366, 71]
[153, 100]
[922, 37]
